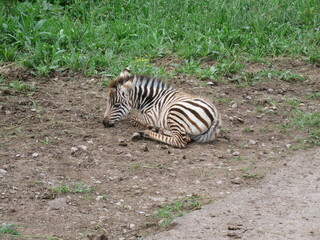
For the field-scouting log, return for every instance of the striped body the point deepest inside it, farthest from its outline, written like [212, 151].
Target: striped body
[182, 115]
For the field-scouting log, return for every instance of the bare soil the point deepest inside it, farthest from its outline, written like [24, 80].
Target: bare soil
[63, 175]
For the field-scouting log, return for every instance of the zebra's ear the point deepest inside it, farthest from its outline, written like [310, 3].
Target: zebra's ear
[125, 88]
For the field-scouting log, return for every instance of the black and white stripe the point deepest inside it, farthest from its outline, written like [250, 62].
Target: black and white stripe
[162, 106]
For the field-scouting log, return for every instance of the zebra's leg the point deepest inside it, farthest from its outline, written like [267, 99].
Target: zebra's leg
[177, 139]
[138, 121]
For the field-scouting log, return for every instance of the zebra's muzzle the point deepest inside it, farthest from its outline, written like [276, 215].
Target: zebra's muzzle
[106, 123]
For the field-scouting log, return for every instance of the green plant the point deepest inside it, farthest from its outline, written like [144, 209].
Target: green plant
[167, 212]
[106, 36]
[19, 86]
[76, 188]
[8, 229]
[315, 95]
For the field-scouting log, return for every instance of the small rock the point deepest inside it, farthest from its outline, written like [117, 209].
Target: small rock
[57, 203]
[35, 155]
[98, 198]
[2, 171]
[84, 148]
[132, 226]
[145, 148]
[164, 146]
[240, 119]
[270, 90]
[122, 143]
[74, 149]
[212, 83]
[252, 142]
[33, 110]
[236, 181]
[248, 97]
[288, 146]
[234, 105]
[235, 153]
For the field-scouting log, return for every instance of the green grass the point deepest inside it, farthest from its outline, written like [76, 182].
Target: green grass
[309, 122]
[76, 188]
[17, 86]
[315, 95]
[104, 36]
[8, 229]
[168, 212]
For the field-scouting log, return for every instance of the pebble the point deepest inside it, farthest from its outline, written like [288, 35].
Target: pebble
[132, 226]
[145, 148]
[74, 149]
[252, 142]
[84, 148]
[3, 172]
[236, 181]
[122, 143]
[235, 153]
[288, 146]
[35, 155]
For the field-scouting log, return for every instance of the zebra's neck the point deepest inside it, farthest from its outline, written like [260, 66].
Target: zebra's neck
[147, 91]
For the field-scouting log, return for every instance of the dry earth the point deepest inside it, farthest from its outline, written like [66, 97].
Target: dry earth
[64, 176]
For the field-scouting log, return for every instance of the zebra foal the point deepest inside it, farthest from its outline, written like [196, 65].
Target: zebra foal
[182, 116]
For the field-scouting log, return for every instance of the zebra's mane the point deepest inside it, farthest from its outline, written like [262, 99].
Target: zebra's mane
[119, 81]
[142, 80]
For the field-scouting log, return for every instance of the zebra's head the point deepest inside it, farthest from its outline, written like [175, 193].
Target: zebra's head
[118, 99]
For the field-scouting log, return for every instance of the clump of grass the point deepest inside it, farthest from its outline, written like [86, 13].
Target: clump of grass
[8, 229]
[168, 212]
[19, 86]
[306, 121]
[315, 95]
[76, 188]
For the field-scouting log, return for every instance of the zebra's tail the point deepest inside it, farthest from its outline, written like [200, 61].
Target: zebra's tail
[209, 135]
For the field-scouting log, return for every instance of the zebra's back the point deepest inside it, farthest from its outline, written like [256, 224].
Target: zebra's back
[198, 117]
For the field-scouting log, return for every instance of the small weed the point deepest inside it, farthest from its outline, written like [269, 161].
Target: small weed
[315, 95]
[223, 100]
[134, 166]
[259, 109]
[246, 129]
[8, 229]
[61, 189]
[20, 86]
[47, 141]
[253, 176]
[291, 103]
[76, 188]
[167, 212]
[82, 188]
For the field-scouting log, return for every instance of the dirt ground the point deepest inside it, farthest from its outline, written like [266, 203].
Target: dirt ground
[64, 176]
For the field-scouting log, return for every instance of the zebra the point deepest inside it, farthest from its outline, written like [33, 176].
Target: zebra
[178, 117]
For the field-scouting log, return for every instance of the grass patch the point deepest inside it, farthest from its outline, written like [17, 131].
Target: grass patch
[306, 121]
[168, 212]
[315, 95]
[17, 86]
[76, 188]
[107, 36]
[8, 229]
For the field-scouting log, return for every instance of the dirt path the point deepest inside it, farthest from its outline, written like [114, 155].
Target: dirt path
[285, 205]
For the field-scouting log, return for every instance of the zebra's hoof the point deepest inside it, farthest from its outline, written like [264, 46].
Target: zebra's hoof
[136, 136]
